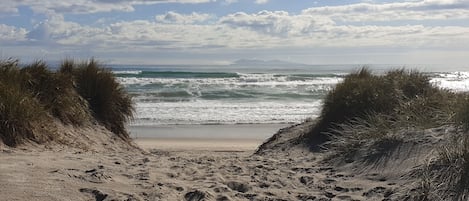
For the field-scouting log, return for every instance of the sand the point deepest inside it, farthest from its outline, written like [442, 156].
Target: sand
[190, 169]
[161, 174]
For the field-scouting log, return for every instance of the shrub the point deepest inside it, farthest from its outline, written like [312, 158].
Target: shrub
[107, 99]
[57, 94]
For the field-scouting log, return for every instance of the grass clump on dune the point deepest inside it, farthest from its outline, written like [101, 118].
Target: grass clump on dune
[368, 111]
[107, 99]
[20, 111]
[32, 96]
[379, 103]
[452, 169]
[462, 111]
[448, 173]
[56, 92]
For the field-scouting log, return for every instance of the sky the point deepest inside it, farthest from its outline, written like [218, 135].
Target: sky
[222, 31]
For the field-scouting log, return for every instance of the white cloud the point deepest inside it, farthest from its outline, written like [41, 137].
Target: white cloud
[173, 17]
[261, 1]
[85, 6]
[277, 23]
[411, 10]
[228, 2]
[11, 33]
[265, 29]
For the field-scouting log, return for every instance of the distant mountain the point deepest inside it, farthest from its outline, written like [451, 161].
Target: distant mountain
[255, 62]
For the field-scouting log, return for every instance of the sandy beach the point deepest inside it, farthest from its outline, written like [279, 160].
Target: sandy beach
[185, 169]
[171, 173]
[243, 137]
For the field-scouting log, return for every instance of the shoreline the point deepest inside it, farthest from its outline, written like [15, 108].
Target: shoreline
[218, 131]
[230, 138]
[199, 144]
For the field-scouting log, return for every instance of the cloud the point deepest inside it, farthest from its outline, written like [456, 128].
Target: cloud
[173, 17]
[261, 1]
[85, 6]
[266, 29]
[11, 33]
[276, 23]
[410, 10]
[227, 2]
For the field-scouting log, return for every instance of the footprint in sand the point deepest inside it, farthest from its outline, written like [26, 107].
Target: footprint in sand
[377, 192]
[98, 195]
[197, 195]
[329, 181]
[238, 186]
[306, 180]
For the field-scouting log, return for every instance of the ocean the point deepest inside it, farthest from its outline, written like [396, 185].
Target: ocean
[226, 95]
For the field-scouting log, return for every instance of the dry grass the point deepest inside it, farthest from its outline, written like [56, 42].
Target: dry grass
[374, 104]
[367, 109]
[446, 177]
[56, 93]
[462, 111]
[32, 96]
[19, 109]
[107, 99]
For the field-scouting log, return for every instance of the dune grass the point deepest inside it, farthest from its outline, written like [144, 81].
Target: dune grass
[107, 99]
[454, 175]
[20, 111]
[446, 177]
[371, 105]
[56, 93]
[450, 169]
[32, 96]
[367, 109]
[462, 111]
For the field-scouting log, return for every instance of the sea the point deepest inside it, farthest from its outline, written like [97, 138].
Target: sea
[228, 95]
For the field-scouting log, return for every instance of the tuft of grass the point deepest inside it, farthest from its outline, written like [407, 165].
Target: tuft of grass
[461, 107]
[359, 94]
[449, 173]
[57, 94]
[32, 96]
[20, 112]
[405, 98]
[107, 99]
[367, 112]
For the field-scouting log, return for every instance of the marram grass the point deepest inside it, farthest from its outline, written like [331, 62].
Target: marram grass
[376, 109]
[32, 95]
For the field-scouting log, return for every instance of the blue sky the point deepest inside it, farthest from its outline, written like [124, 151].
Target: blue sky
[223, 31]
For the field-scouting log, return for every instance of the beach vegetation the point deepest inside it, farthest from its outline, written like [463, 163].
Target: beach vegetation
[20, 111]
[32, 97]
[107, 99]
[461, 116]
[374, 114]
[55, 91]
[446, 177]
[378, 104]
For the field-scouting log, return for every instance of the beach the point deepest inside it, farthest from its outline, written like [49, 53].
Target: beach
[235, 136]
[182, 169]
